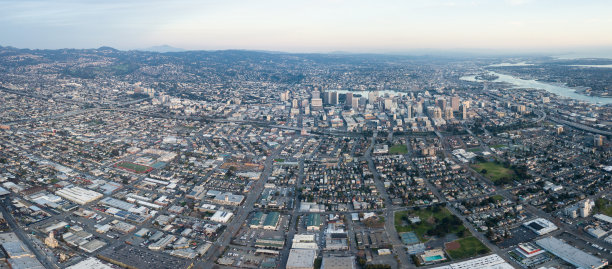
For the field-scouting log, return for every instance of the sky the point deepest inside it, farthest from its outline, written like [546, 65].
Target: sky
[377, 26]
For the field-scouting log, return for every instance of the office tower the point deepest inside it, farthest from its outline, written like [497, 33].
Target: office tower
[355, 103]
[334, 98]
[464, 114]
[326, 98]
[419, 108]
[373, 97]
[448, 113]
[455, 103]
[598, 140]
[437, 113]
[388, 103]
[409, 112]
[441, 103]
[585, 208]
[315, 94]
[349, 99]
[363, 101]
[294, 103]
[316, 103]
[466, 104]
[285, 96]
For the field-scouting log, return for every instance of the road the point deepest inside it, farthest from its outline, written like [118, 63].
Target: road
[241, 215]
[42, 258]
[398, 247]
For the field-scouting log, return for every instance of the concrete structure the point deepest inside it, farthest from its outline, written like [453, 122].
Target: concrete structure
[571, 254]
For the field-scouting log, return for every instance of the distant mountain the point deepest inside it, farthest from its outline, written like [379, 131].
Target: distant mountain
[163, 48]
[106, 48]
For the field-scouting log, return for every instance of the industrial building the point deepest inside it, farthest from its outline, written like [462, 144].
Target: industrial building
[304, 241]
[493, 261]
[313, 222]
[90, 263]
[266, 221]
[301, 259]
[79, 195]
[571, 254]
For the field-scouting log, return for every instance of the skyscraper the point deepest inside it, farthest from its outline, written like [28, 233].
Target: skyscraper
[455, 103]
[373, 97]
[333, 98]
[349, 99]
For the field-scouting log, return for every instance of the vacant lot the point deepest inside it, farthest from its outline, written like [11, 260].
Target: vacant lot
[467, 247]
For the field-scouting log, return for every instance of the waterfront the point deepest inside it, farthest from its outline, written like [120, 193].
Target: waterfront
[533, 84]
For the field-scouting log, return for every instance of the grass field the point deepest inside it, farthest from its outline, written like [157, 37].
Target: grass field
[470, 246]
[132, 167]
[498, 146]
[475, 150]
[497, 197]
[603, 206]
[495, 171]
[398, 149]
[430, 219]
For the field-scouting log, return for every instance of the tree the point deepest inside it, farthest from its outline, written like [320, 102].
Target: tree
[483, 171]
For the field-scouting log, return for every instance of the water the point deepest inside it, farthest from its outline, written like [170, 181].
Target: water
[593, 65]
[533, 84]
[380, 93]
[510, 64]
[602, 54]
[433, 258]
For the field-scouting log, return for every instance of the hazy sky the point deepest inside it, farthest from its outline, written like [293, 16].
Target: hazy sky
[306, 26]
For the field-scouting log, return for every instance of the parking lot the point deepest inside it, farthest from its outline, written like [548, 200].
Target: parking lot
[141, 258]
[520, 234]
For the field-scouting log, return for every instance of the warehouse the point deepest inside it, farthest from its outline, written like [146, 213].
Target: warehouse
[571, 254]
[79, 195]
[301, 259]
[333, 262]
[271, 221]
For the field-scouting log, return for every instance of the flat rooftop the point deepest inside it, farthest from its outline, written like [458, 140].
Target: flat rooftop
[571, 254]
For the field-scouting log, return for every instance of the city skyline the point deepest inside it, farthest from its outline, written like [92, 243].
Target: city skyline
[522, 26]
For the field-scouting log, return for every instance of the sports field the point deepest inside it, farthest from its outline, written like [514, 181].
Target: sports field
[465, 248]
[132, 167]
